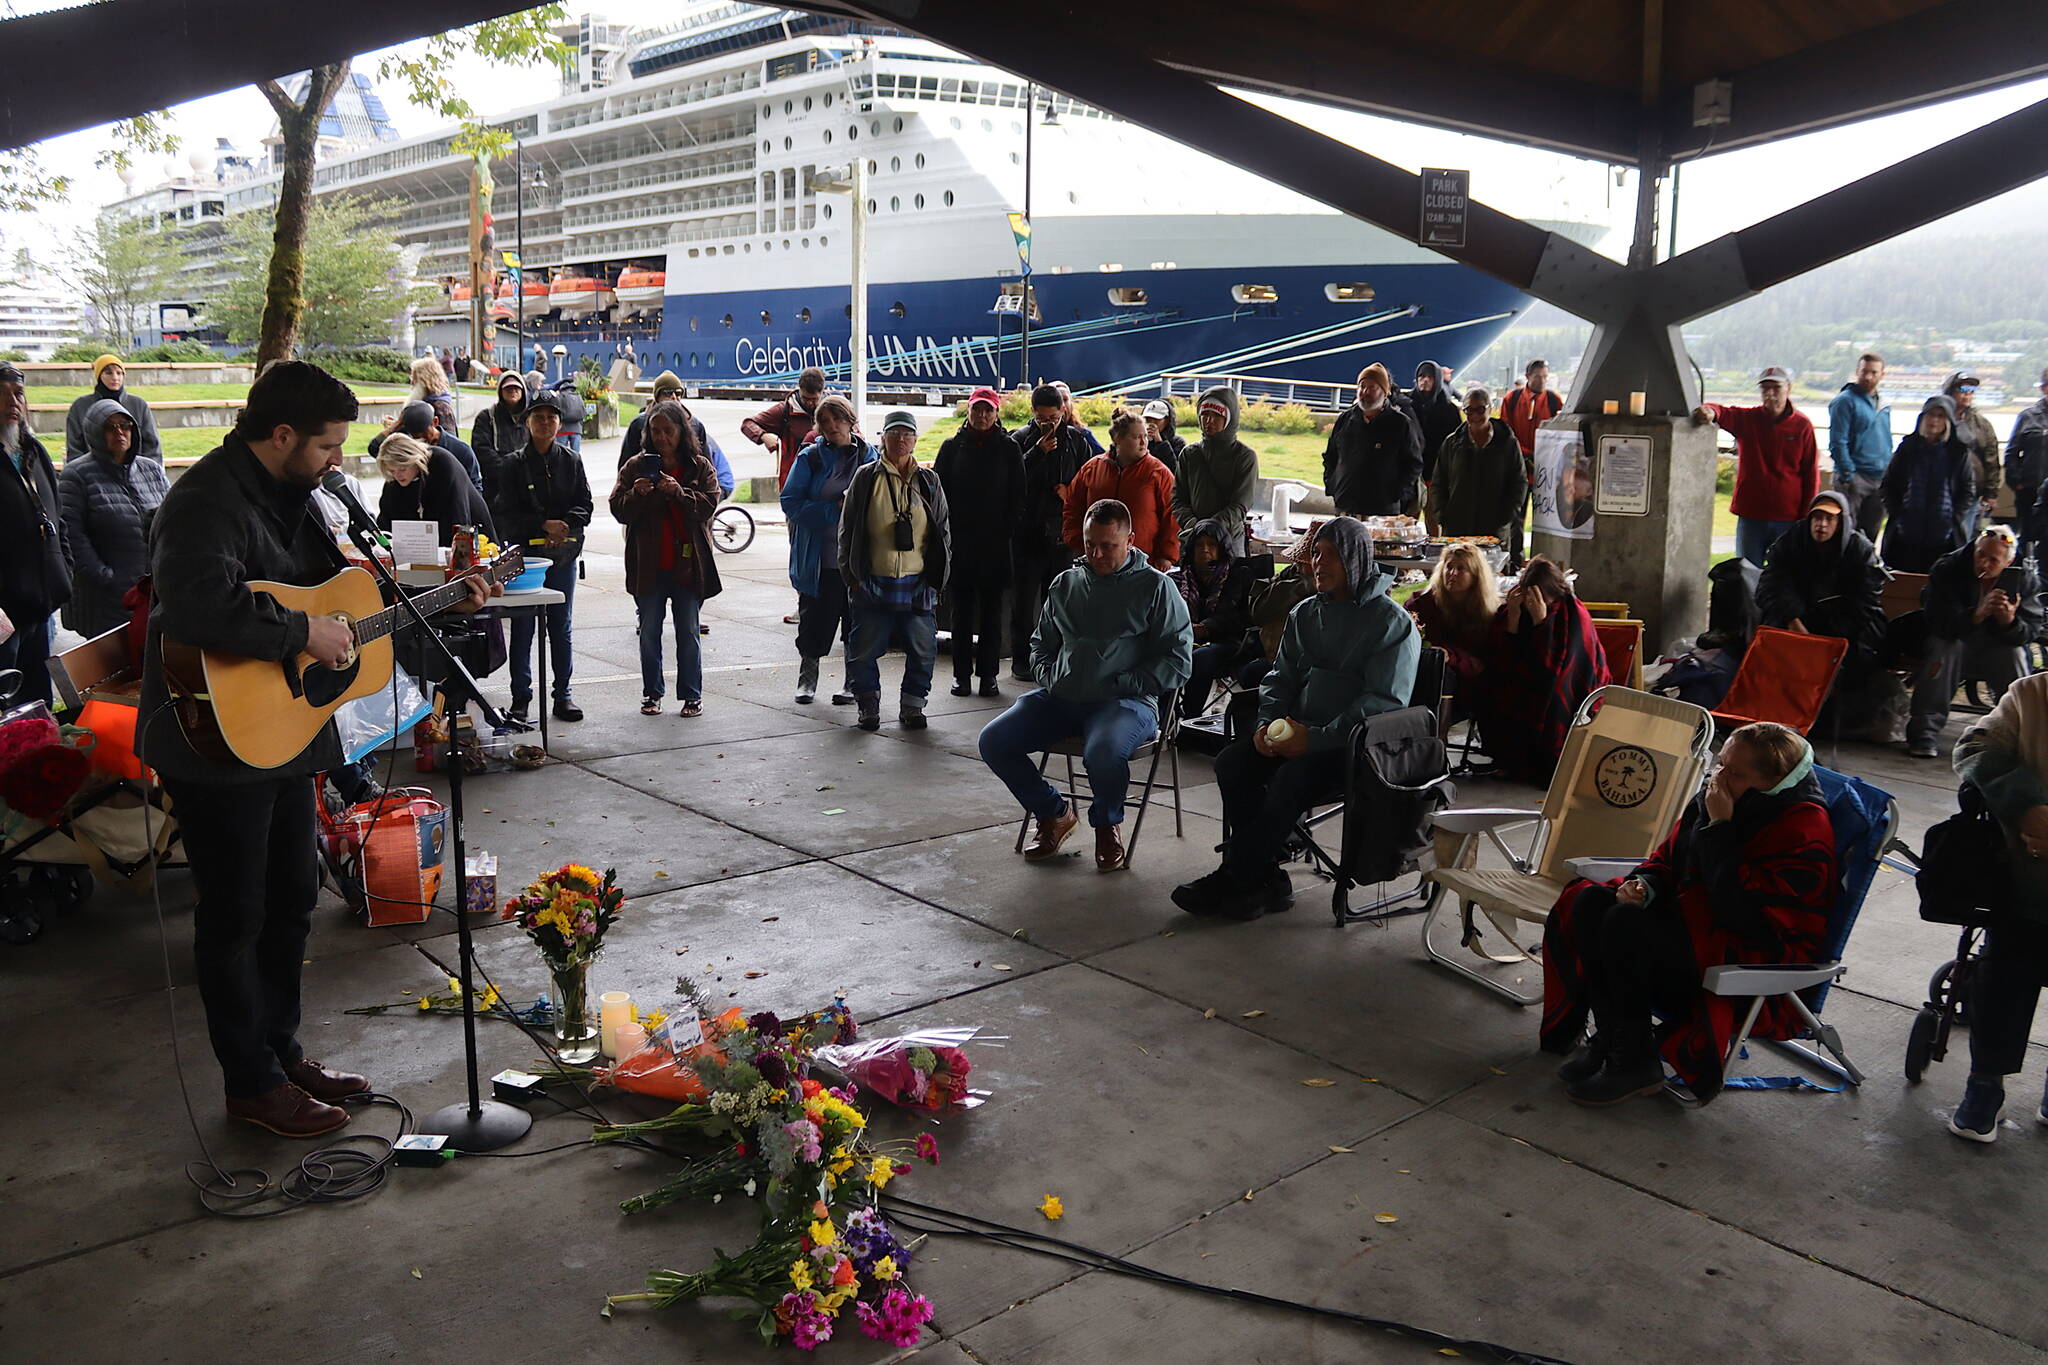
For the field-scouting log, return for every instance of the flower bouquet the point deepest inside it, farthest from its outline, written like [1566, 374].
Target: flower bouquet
[783, 1138]
[922, 1070]
[566, 913]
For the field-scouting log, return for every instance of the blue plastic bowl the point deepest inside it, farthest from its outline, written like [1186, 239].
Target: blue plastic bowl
[530, 577]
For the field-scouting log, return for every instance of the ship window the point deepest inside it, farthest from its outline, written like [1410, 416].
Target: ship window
[1347, 293]
[824, 241]
[871, 206]
[807, 244]
[807, 104]
[955, 121]
[874, 167]
[804, 316]
[728, 248]
[849, 310]
[920, 160]
[828, 99]
[919, 201]
[766, 320]
[897, 310]
[1254, 293]
[828, 210]
[789, 106]
[895, 163]
[726, 320]
[949, 199]
[1127, 298]
[895, 204]
[693, 324]
[785, 243]
[875, 128]
[828, 135]
[852, 132]
[693, 253]
[899, 125]
[788, 144]
[767, 111]
[987, 126]
[766, 145]
[767, 246]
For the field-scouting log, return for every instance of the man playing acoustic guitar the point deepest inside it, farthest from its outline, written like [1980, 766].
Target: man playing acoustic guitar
[242, 514]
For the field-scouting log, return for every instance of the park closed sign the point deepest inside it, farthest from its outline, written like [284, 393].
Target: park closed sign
[1446, 195]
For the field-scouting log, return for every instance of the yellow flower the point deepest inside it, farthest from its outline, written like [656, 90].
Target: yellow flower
[841, 1162]
[455, 985]
[836, 1300]
[1052, 1208]
[884, 1269]
[587, 876]
[800, 1273]
[823, 1233]
[881, 1171]
[425, 1003]
[831, 1181]
[653, 1019]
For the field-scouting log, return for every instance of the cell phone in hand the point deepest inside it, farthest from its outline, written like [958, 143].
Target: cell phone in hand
[2012, 581]
[650, 466]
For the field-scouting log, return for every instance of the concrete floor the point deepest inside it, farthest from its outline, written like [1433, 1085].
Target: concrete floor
[1772, 1225]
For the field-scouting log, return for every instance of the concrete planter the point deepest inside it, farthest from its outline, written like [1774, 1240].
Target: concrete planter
[141, 376]
[47, 418]
[600, 422]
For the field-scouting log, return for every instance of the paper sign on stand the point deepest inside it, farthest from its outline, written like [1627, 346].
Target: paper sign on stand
[416, 543]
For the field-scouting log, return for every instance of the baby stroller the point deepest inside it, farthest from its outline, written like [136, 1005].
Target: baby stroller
[1973, 839]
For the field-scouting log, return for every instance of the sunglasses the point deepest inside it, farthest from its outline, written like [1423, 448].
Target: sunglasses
[1966, 388]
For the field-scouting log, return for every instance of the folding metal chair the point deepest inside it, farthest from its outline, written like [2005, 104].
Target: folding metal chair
[1630, 763]
[1164, 741]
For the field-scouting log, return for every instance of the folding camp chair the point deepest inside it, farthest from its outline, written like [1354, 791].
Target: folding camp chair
[1631, 761]
[1622, 642]
[1785, 677]
[1166, 741]
[1605, 611]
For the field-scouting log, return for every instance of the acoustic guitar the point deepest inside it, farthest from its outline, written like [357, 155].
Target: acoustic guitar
[265, 713]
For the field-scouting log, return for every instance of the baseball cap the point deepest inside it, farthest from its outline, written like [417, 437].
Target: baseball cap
[1159, 407]
[544, 401]
[899, 418]
[1775, 374]
[985, 395]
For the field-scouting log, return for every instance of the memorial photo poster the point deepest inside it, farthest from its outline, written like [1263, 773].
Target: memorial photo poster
[1563, 495]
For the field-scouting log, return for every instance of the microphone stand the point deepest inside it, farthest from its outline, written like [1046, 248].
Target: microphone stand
[479, 1125]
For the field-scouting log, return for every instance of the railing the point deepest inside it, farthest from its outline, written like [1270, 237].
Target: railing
[625, 212]
[634, 105]
[1319, 394]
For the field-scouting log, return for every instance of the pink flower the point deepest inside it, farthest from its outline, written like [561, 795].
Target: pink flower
[898, 1319]
[804, 1134]
[808, 1327]
[928, 1148]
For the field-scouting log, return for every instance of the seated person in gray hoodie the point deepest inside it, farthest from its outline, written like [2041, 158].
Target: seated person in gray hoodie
[1112, 640]
[1347, 653]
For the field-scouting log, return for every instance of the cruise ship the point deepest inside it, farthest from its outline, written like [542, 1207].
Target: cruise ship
[677, 202]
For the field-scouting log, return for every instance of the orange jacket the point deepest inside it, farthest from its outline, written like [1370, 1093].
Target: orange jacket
[1146, 488]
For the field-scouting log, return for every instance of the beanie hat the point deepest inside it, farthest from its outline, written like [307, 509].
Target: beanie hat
[666, 380]
[99, 366]
[1217, 406]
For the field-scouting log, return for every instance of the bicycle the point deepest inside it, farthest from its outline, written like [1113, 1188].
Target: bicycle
[732, 529]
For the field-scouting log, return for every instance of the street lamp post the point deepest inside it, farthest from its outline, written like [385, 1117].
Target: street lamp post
[853, 181]
[1024, 303]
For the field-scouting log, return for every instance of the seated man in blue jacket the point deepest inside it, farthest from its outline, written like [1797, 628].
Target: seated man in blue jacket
[1347, 653]
[1112, 640]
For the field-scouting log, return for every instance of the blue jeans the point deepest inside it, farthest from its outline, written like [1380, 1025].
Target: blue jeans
[1110, 732]
[1754, 537]
[872, 631]
[682, 606]
[28, 649]
[561, 576]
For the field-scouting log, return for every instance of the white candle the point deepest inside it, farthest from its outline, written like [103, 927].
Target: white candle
[1610, 406]
[629, 1038]
[1638, 402]
[614, 1008]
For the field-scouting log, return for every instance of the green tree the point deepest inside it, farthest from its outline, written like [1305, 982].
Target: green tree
[350, 282]
[119, 268]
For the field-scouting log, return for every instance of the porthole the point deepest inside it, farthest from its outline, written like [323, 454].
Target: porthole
[747, 248]
[827, 211]
[828, 135]
[1357, 292]
[824, 241]
[767, 246]
[987, 126]
[1127, 298]
[788, 144]
[874, 168]
[918, 202]
[895, 204]
[766, 145]
[949, 199]
[693, 253]
[895, 163]
[955, 121]
[1254, 293]
[852, 132]
[828, 99]
[785, 243]
[875, 128]
[897, 310]
[871, 206]
[804, 314]
[807, 104]
[920, 161]
[728, 248]
[693, 324]
[789, 106]
[767, 111]
[1014, 158]
[726, 320]
[899, 125]
[1073, 196]
[1016, 127]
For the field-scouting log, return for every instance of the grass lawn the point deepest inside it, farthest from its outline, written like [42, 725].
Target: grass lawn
[171, 393]
[189, 443]
[1280, 457]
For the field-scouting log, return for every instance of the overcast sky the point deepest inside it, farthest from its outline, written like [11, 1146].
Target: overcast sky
[1719, 194]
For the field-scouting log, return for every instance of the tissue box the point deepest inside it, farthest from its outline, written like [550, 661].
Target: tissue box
[481, 871]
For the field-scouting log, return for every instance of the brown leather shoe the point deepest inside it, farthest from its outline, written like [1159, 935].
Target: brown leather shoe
[1109, 848]
[1052, 831]
[288, 1112]
[323, 1082]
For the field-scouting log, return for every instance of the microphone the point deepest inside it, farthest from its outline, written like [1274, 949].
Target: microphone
[336, 483]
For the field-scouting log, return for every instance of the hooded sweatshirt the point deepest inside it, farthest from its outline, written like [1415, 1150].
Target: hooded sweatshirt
[1220, 596]
[1435, 413]
[1831, 588]
[1978, 437]
[108, 505]
[1928, 491]
[1343, 661]
[983, 474]
[499, 432]
[1114, 636]
[1373, 460]
[1219, 475]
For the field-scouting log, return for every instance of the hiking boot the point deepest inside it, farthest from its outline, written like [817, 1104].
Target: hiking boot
[1585, 1062]
[1050, 832]
[288, 1112]
[1109, 848]
[989, 688]
[1624, 1077]
[1976, 1118]
[912, 717]
[324, 1083]
[1205, 894]
[807, 682]
[870, 710]
[1265, 893]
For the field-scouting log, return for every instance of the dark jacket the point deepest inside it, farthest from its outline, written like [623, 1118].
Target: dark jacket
[1222, 611]
[1113, 636]
[108, 505]
[1952, 593]
[1435, 414]
[1218, 475]
[1039, 528]
[853, 534]
[1833, 589]
[1480, 490]
[35, 564]
[2026, 450]
[983, 475]
[224, 524]
[1167, 451]
[496, 436]
[443, 494]
[1371, 464]
[533, 488]
[460, 449]
[1929, 493]
[1343, 662]
[148, 445]
[648, 524]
